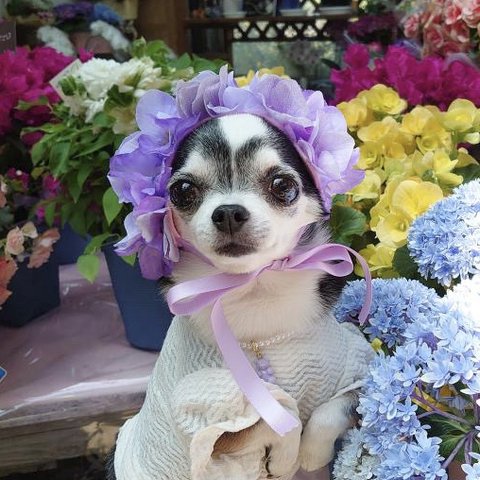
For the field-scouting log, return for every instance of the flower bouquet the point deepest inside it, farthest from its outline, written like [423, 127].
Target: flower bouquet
[429, 81]
[411, 161]
[446, 27]
[420, 404]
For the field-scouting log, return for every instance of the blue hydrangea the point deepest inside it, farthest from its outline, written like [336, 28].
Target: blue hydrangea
[473, 471]
[433, 342]
[445, 241]
[396, 303]
[105, 13]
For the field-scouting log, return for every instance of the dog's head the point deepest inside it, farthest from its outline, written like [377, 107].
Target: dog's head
[240, 193]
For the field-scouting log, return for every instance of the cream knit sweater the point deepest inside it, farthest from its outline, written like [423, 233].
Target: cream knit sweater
[192, 399]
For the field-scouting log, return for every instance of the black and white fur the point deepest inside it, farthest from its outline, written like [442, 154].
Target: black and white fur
[239, 161]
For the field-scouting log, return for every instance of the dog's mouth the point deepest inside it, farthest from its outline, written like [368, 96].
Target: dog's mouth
[234, 249]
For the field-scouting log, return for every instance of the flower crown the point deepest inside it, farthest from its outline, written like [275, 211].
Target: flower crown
[141, 167]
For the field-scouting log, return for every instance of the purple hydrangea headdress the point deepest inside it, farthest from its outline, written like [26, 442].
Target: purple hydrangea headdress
[141, 167]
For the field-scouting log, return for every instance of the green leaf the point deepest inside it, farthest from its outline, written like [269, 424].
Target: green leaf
[22, 105]
[96, 243]
[77, 220]
[184, 61]
[102, 119]
[346, 222]
[89, 266]
[37, 172]
[404, 264]
[59, 155]
[105, 139]
[130, 259]
[469, 173]
[83, 173]
[39, 151]
[50, 213]
[111, 205]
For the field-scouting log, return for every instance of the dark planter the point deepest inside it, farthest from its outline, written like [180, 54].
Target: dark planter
[70, 246]
[35, 291]
[144, 312]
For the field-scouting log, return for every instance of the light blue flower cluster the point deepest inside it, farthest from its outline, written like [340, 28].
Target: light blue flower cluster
[445, 241]
[432, 342]
[396, 303]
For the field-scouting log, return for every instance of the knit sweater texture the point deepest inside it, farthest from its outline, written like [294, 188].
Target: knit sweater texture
[192, 399]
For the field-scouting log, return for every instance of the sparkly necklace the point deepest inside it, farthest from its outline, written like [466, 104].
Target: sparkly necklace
[261, 363]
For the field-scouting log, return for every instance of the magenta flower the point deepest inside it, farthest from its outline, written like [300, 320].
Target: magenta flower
[25, 75]
[429, 81]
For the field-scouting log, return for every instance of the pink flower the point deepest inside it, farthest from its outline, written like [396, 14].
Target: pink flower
[471, 12]
[15, 240]
[411, 26]
[433, 38]
[7, 271]
[460, 33]
[453, 12]
[43, 248]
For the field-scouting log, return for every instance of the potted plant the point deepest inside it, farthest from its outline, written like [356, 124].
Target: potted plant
[97, 113]
[28, 277]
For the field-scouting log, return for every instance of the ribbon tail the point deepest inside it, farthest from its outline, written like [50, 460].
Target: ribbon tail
[365, 311]
[257, 393]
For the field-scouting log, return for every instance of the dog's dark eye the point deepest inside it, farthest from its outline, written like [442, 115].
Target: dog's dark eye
[285, 189]
[183, 193]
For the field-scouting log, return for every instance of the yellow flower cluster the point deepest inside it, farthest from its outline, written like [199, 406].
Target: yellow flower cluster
[246, 79]
[409, 161]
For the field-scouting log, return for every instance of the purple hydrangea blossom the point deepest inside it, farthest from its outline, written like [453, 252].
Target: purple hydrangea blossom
[441, 251]
[141, 167]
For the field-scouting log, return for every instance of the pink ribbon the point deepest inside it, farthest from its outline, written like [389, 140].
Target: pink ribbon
[194, 295]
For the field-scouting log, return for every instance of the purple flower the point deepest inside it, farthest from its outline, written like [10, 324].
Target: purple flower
[141, 168]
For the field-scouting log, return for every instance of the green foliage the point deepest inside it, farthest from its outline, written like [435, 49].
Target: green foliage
[346, 223]
[89, 265]
[469, 173]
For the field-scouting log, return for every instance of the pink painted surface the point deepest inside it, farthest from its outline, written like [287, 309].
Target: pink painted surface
[78, 350]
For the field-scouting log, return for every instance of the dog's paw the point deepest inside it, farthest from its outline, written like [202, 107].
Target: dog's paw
[277, 456]
[315, 455]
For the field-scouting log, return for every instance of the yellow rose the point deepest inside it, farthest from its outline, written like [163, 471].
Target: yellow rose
[379, 258]
[246, 79]
[415, 121]
[369, 188]
[384, 100]
[356, 113]
[462, 115]
[437, 166]
[411, 198]
[370, 155]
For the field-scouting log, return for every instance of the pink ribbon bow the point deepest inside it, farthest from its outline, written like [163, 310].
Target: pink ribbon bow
[192, 296]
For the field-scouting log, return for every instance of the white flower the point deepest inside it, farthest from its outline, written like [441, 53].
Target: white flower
[353, 461]
[98, 76]
[56, 38]
[111, 34]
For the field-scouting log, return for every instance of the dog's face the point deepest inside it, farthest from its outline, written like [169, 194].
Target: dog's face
[240, 193]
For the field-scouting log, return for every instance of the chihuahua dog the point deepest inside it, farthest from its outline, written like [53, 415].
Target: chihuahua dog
[240, 194]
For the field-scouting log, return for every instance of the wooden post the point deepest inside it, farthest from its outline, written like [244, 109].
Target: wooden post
[164, 20]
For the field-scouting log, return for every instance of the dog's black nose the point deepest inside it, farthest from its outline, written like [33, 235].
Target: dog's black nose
[230, 218]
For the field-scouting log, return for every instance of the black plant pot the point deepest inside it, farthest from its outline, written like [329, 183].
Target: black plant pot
[35, 291]
[70, 246]
[145, 314]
